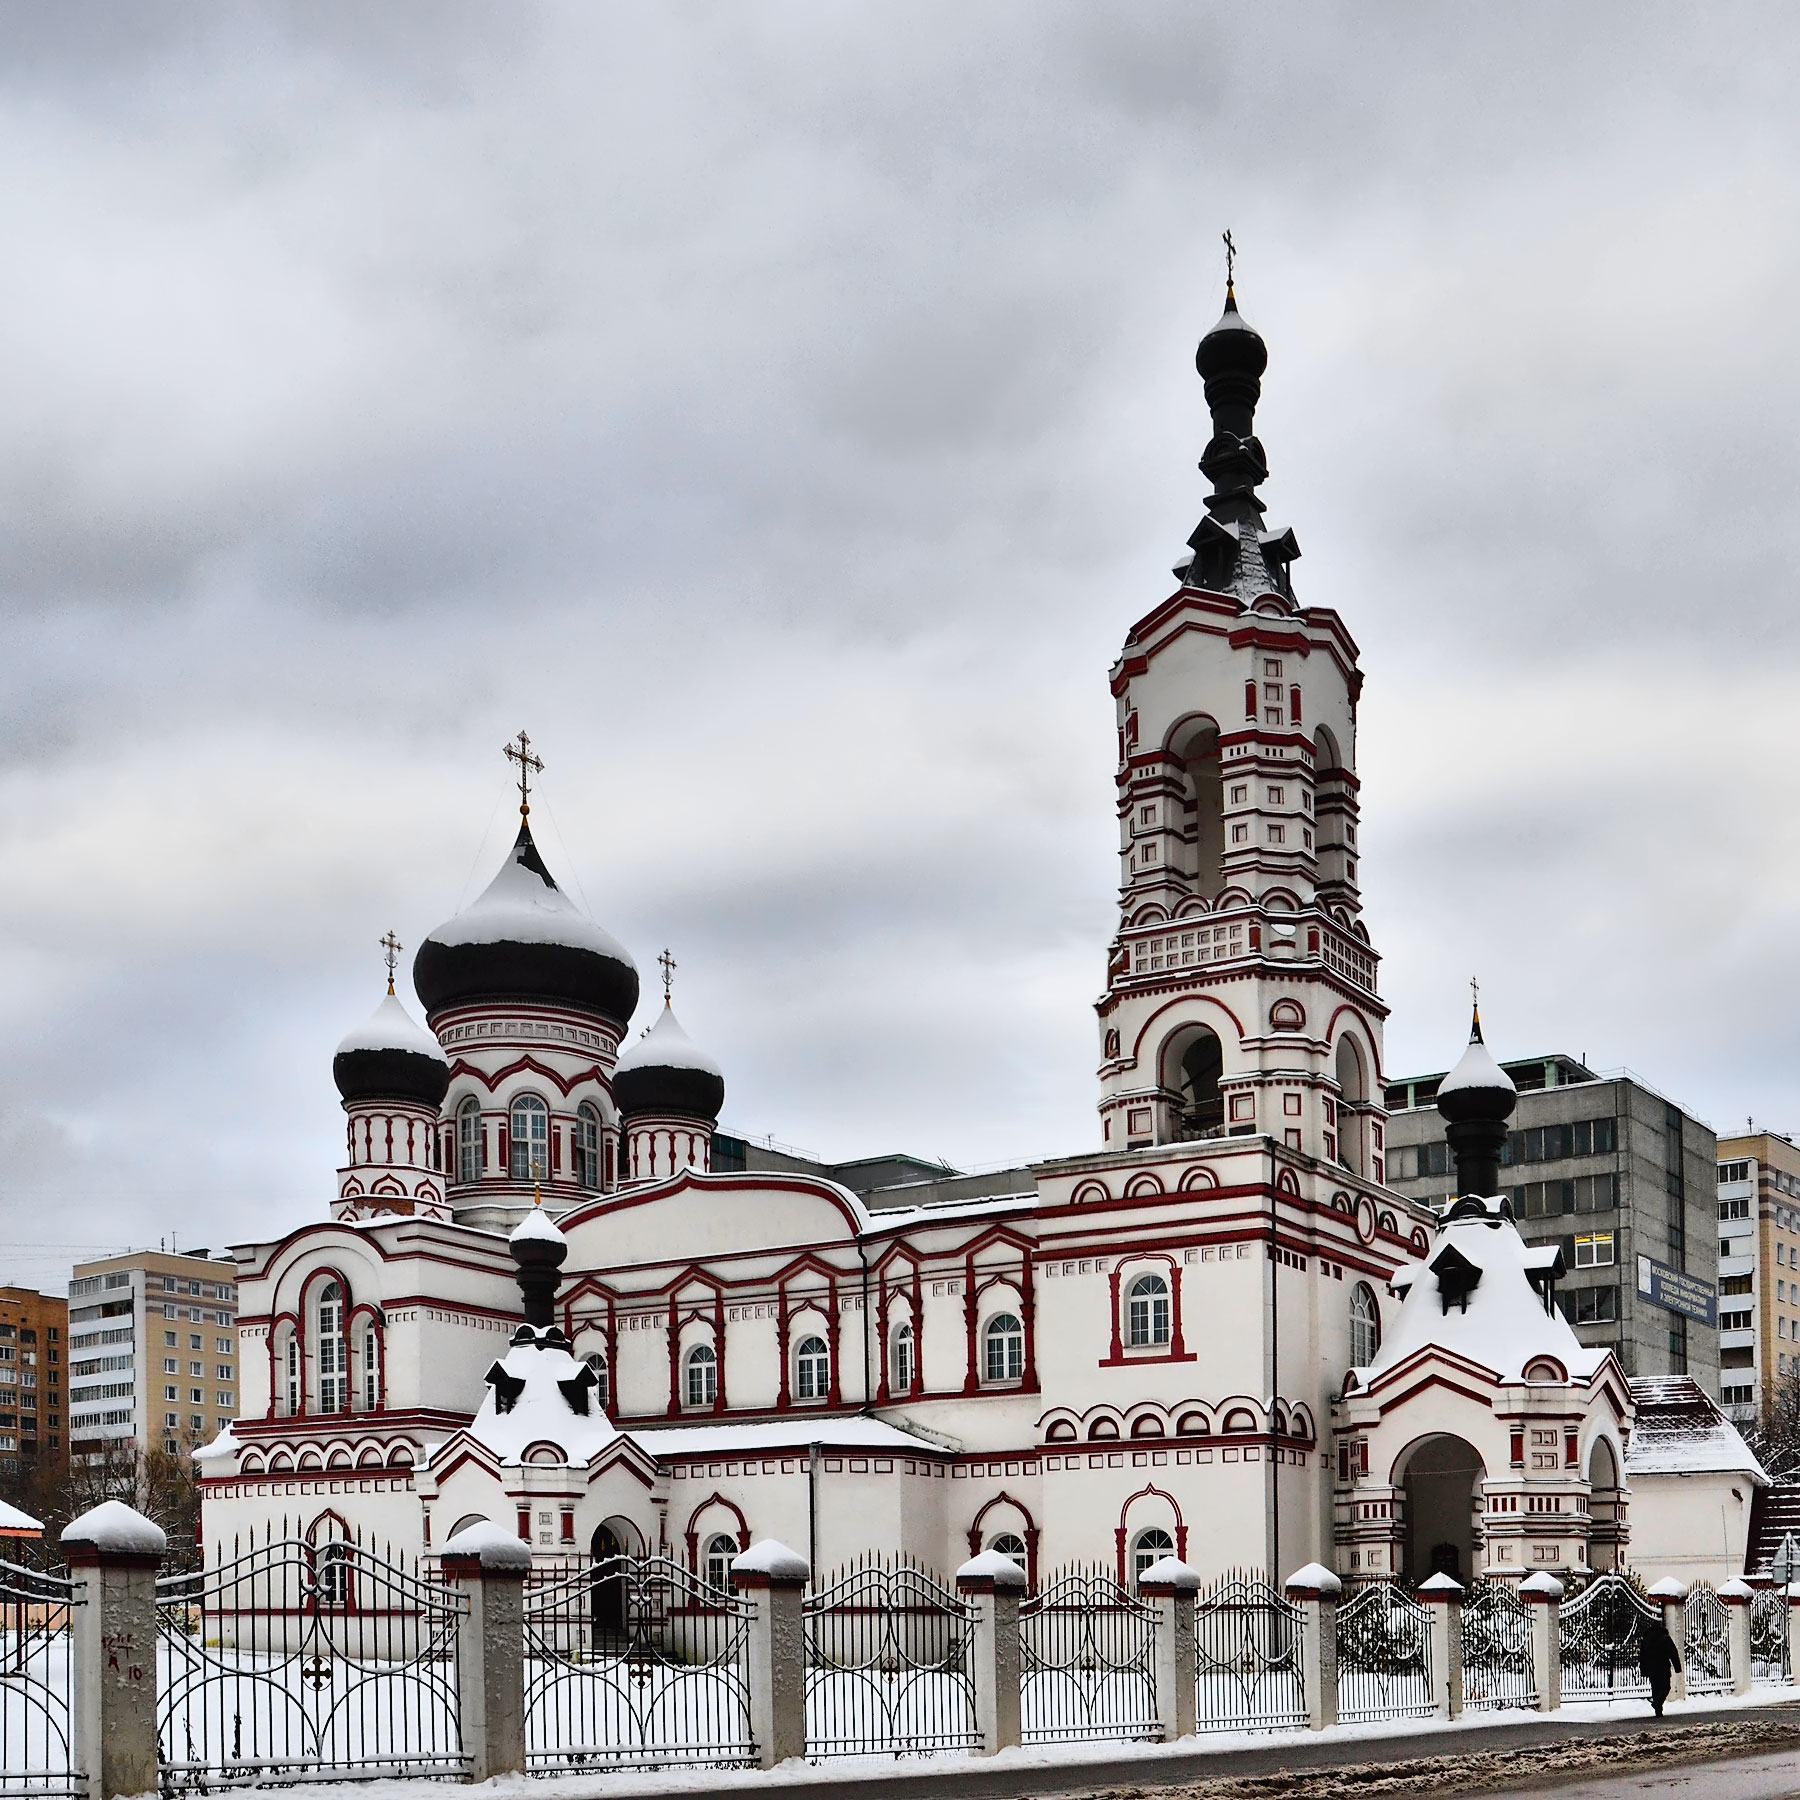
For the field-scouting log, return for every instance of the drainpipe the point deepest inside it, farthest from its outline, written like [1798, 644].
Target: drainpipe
[812, 1508]
[1273, 1522]
[862, 1253]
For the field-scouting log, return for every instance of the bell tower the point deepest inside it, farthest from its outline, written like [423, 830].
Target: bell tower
[1241, 987]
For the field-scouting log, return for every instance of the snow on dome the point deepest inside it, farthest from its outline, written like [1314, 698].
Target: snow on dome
[1476, 1070]
[1314, 1578]
[665, 1071]
[112, 1525]
[392, 1057]
[392, 1027]
[523, 938]
[537, 1224]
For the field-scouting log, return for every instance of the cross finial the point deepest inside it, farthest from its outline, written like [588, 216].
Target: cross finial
[1475, 1010]
[1230, 261]
[668, 969]
[529, 765]
[391, 947]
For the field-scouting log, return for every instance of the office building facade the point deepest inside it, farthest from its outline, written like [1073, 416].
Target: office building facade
[33, 1347]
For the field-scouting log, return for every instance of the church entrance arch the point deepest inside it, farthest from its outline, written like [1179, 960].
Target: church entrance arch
[612, 1542]
[1441, 1480]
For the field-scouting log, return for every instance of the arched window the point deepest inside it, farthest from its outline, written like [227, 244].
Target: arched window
[719, 1553]
[371, 1369]
[587, 1145]
[334, 1361]
[596, 1360]
[1147, 1311]
[293, 1376]
[1365, 1326]
[468, 1140]
[1005, 1341]
[702, 1376]
[812, 1370]
[1202, 1064]
[1149, 1547]
[900, 1375]
[530, 1139]
[1009, 1543]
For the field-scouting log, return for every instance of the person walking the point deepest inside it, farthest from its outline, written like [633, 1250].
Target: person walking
[1658, 1659]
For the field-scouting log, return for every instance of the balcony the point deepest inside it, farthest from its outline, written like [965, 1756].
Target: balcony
[1168, 946]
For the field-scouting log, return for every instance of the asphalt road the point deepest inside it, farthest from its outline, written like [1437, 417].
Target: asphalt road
[1772, 1777]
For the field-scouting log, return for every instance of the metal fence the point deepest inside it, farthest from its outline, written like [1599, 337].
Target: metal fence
[1249, 1675]
[1769, 1636]
[37, 1670]
[887, 1664]
[1496, 1649]
[1706, 1652]
[288, 1660]
[1087, 1659]
[1600, 1629]
[634, 1661]
[1384, 1656]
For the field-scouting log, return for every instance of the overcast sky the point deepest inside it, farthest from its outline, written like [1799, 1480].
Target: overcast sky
[782, 412]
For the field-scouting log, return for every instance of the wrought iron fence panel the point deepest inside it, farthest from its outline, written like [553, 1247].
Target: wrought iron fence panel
[37, 1673]
[289, 1660]
[1599, 1632]
[635, 1661]
[1706, 1654]
[887, 1665]
[1384, 1656]
[1769, 1636]
[1087, 1658]
[1249, 1675]
[1498, 1668]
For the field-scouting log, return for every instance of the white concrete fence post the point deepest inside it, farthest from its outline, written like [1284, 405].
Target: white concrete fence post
[1791, 1593]
[1315, 1590]
[1444, 1595]
[1671, 1596]
[1542, 1594]
[489, 1564]
[1738, 1596]
[113, 1553]
[994, 1585]
[773, 1579]
[1173, 1589]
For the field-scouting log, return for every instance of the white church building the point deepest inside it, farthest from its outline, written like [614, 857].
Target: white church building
[1219, 1335]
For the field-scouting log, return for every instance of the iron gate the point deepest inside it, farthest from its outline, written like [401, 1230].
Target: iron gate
[635, 1661]
[1498, 1669]
[1599, 1632]
[1706, 1653]
[1087, 1661]
[37, 1668]
[1247, 1655]
[291, 1660]
[1769, 1636]
[887, 1665]
[1384, 1656]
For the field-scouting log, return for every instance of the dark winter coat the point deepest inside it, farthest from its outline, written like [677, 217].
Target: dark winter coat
[1657, 1654]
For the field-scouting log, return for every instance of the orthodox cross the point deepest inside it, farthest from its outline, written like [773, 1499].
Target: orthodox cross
[1230, 260]
[668, 968]
[1475, 992]
[391, 947]
[529, 765]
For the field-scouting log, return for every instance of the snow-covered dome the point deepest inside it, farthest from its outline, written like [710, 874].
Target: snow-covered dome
[522, 940]
[393, 1057]
[665, 1071]
[1233, 347]
[1477, 1087]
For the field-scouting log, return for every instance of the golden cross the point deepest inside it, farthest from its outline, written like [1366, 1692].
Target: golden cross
[1230, 260]
[391, 947]
[529, 765]
[668, 969]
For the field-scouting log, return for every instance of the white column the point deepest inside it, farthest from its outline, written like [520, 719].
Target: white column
[1444, 1595]
[489, 1565]
[773, 1578]
[1542, 1595]
[994, 1584]
[1315, 1590]
[1172, 1588]
[113, 1554]
[1738, 1596]
[1671, 1595]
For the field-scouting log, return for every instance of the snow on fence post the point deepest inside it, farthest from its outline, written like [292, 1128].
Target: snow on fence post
[1315, 1590]
[1670, 1596]
[993, 1585]
[1737, 1596]
[1173, 1589]
[1543, 1593]
[1444, 1648]
[113, 1555]
[490, 1564]
[773, 1579]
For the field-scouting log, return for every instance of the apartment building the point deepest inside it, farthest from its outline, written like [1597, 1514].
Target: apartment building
[1759, 1269]
[33, 1342]
[1619, 1175]
[153, 1351]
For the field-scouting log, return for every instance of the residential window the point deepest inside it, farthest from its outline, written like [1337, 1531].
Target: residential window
[530, 1139]
[1594, 1251]
[1147, 1311]
[702, 1375]
[1734, 1171]
[1005, 1341]
[1735, 1321]
[812, 1369]
[1735, 1209]
[1591, 1306]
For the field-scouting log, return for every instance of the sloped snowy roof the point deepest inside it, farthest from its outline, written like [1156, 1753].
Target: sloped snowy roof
[1681, 1431]
[781, 1434]
[666, 1046]
[1503, 1324]
[14, 1523]
[392, 1027]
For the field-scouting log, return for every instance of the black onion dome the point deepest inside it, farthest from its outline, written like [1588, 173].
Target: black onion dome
[525, 940]
[1477, 1088]
[665, 1071]
[1233, 347]
[391, 1058]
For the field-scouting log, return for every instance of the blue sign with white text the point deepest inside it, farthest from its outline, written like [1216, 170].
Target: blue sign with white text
[1677, 1291]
